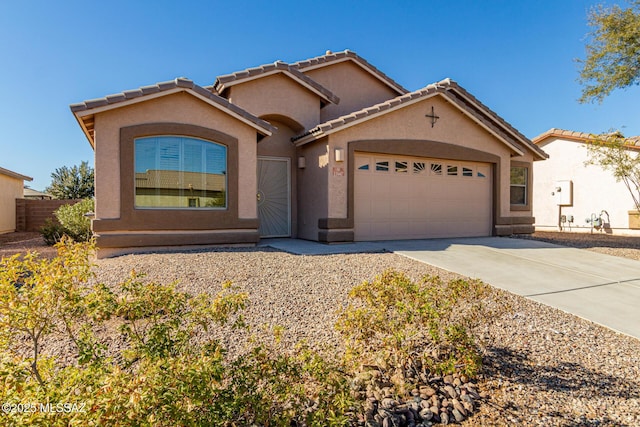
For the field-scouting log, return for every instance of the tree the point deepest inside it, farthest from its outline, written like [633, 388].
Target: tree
[72, 183]
[613, 51]
[613, 153]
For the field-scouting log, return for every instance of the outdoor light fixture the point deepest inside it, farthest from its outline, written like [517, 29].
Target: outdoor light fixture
[339, 154]
[301, 163]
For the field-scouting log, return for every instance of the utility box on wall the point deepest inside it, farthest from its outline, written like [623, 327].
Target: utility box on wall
[563, 192]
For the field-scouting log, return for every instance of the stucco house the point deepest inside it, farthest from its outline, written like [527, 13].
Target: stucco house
[589, 198]
[329, 149]
[11, 188]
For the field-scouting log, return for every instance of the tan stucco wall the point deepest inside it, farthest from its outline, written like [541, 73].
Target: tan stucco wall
[312, 189]
[355, 87]
[176, 108]
[594, 189]
[278, 95]
[453, 127]
[10, 189]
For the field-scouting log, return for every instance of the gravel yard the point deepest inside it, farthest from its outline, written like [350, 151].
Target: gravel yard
[542, 366]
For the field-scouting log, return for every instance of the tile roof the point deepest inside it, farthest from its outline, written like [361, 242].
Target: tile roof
[332, 57]
[16, 175]
[632, 141]
[83, 110]
[225, 81]
[448, 88]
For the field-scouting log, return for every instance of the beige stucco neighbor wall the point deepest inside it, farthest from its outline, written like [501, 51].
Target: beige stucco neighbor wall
[175, 108]
[278, 94]
[355, 87]
[410, 123]
[10, 189]
[594, 190]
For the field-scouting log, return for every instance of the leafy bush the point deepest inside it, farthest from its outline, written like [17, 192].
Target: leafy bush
[72, 222]
[399, 325]
[167, 374]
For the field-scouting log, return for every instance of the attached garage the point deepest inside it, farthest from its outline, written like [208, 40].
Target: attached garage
[398, 197]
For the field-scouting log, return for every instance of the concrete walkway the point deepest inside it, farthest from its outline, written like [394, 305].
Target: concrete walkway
[601, 288]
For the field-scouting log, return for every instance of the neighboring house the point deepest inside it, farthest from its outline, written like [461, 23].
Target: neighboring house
[327, 149]
[31, 194]
[588, 192]
[11, 188]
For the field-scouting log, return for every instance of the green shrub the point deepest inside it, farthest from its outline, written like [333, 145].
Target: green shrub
[398, 325]
[167, 374]
[71, 221]
[52, 231]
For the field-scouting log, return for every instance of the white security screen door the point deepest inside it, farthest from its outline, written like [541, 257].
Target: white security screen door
[274, 197]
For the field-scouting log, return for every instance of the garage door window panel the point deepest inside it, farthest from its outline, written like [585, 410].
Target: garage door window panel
[419, 167]
[382, 166]
[402, 167]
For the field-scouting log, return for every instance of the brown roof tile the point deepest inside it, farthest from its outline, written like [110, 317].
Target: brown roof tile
[632, 141]
[227, 80]
[181, 82]
[331, 57]
[448, 88]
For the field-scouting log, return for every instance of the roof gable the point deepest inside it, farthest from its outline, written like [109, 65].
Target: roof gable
[85, 111]
[226, 81]
[331, 58]
[451, 92]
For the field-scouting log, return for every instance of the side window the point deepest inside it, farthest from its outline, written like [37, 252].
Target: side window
[518, 186]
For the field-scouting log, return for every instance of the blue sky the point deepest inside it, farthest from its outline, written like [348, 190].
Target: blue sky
[516, 56]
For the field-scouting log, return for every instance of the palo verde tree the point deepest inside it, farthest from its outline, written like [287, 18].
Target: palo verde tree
[613, 62]
[618, 155]
[613, 51]
[75, 182]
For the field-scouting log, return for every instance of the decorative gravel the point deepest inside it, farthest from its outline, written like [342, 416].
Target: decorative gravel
[542, 366]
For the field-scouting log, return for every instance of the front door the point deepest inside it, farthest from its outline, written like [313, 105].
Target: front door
[274, 197]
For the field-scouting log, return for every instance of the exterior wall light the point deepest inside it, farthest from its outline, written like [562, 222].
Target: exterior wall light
[302, 163]
[339, 154]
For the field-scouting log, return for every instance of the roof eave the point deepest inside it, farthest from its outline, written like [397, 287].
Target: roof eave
[82, 112]
[13, 174]
[508, 129]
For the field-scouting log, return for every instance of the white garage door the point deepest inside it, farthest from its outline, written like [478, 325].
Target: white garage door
[415, 198]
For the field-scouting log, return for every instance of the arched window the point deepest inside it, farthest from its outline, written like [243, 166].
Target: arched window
[180, 172]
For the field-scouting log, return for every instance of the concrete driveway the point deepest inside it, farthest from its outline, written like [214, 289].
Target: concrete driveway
[601, 288]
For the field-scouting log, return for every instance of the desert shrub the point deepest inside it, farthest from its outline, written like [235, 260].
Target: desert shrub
[71, 221]
[167, 374]
[399, 326]
[52, 231]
